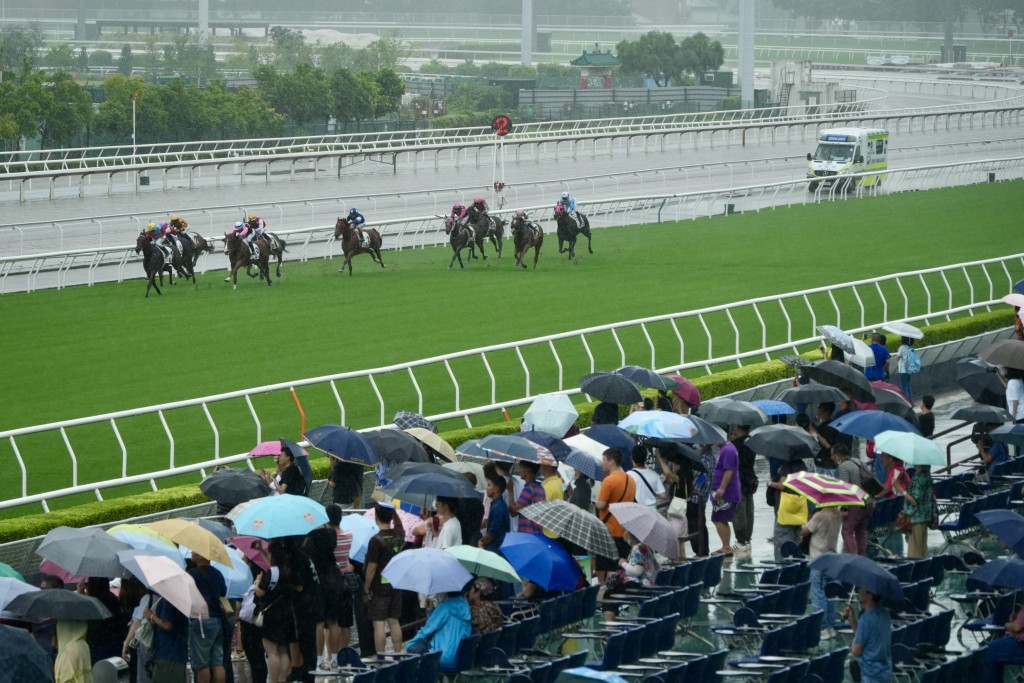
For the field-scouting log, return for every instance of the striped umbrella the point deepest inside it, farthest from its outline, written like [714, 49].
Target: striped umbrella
[573, 524]
[507, 447]
[825, 491]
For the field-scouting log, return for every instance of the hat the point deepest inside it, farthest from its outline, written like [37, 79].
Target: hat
[565, 194]
[386, 506]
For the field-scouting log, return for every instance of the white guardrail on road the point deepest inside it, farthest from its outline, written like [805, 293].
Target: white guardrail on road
[750, 330]
[82, 266]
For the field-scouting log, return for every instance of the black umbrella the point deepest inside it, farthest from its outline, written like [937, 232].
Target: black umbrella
[231, 486]
[812, 393]
[728, 411]
[57, 603]
[407, 420]
[843, 377]
[783, 442]
[980, 412]
[82, 552]
[342, 443]
[432, 485]
[396, 446]
[21, 658]
[707, 432]
[1007, 352]
[891, 402]
[611, 388]
[558, 447]
[408, 470]
[645, 378]
[678, 452]
[978, 379]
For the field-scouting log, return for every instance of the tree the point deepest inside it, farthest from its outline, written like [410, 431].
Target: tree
[125, 63]
[390, 88]
[351, 99]
[60, 57]
[83, 60]
[433, 67]
[699, 54]
[114, 116]
[655, 55]
[101, 58]
[20, 47]
[289, 46]
[336, 56]
[386, 52]
[249, 115]
[66, 111]
[302, 96]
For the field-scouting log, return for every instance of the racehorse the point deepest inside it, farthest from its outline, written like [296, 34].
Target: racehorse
[154, 260]
[526, 234]
[489, 227]
[200, 244]
[569, 228]
[277, 248]
[460, 237]
[476, 236]
[240, 256]
[352, 246]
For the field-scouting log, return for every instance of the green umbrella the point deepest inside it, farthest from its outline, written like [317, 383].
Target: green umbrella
[912, 449]
[9, 571]
[481, 562]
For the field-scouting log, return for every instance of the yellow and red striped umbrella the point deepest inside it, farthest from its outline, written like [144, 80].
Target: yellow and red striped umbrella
[825, 491]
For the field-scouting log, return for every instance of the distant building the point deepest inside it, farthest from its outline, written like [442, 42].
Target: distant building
[594, 65]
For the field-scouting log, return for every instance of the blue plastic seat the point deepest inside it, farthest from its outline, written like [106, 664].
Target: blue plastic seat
[614, 647]
[465, 656]
[529, 630]
[508, 641]
[429, 667]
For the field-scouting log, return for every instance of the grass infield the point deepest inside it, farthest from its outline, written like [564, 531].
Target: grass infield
[88, 350]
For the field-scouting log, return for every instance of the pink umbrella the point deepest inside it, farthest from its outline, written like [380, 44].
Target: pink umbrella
[878, 384]
[266, 448]
[47, 567]
[409, 522]
[244, 545]
[825, 491]
[686, 391]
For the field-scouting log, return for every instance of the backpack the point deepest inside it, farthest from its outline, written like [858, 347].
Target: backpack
[913, 361]
[867, 478]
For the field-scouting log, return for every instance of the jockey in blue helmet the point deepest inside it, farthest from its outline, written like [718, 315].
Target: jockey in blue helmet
[356, 220]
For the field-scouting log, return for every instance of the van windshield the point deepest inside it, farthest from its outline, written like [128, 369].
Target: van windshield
[833, 152]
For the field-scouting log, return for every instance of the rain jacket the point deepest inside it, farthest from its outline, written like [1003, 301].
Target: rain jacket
[446, 627]
[73, 664]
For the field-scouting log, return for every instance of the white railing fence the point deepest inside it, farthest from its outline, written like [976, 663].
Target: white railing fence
[92, 454]
[86, 266]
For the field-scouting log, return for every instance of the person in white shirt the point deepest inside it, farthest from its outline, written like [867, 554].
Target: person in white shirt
[1014, 383]
[450, 533]
[650, 489]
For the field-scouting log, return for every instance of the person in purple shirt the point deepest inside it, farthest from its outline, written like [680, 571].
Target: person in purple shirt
[725, 487]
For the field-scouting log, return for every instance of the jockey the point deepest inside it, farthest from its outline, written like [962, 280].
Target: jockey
[179, 226]
[460, 214]
[527, 221]
[477, 210]
[356, 220]
[257, 228]
[168, 237]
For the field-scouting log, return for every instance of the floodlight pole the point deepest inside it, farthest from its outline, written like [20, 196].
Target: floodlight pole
[526, 53]
[746, 53]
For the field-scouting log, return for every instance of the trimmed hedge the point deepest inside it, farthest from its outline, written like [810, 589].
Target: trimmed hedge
[717, 384]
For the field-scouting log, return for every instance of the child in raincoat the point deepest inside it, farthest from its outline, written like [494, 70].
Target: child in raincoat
[446, 627]
[73, 665]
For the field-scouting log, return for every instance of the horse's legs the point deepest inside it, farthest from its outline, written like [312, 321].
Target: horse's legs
[280, 257]
[234, 274]
[377, 257]
[587, 233]
[480, 244]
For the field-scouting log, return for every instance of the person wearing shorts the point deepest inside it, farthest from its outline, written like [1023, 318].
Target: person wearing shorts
[725, 484]
[617, 487]
[383, 602]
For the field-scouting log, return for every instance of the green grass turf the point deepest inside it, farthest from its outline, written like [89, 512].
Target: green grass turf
[88, 350]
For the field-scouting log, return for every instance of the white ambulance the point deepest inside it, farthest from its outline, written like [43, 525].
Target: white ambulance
[845, 151]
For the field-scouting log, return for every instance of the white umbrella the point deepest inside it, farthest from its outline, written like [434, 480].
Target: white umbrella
[11, 588]
[464, 466]
[862, 354]
[903, 330]
[589, 446]
[168, 580]
[551, 413]
[648, 527]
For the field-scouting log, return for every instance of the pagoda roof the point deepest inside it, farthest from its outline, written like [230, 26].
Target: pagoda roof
[597, 58]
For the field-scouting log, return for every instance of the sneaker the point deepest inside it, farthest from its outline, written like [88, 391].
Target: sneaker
[741, 550]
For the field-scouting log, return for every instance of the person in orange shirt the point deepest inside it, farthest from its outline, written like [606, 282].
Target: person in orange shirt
[617, 487]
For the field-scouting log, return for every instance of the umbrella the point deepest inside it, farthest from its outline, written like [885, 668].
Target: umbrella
[795, 361]
[342, 443]
[890, 402]
[646, 378]
[507, 447]
[168, 580]
[472, 449]
[1007, 352]
[783, 442]
[584, 443]
[728, 411]
[611, 388]
[541, 560]
[82, 552]
[11, 588]
[1002, 571]
[278, 516]
[869, 423]
[862, 354]
[233, 486]
[407, 420]
[772, 408]
[402, 469]
[1011, 434]
[812, 393]
[587, 464]
[837, 337]
[1014, 299]
[707, 432]
[825, 491]
[464, 467]
[648, 527]
[301, 458]
[573, 524]
[903, 330]
[843, 377]
[362, 530]
[447, 484]
[877, 384]
[433, 442]
[244, 545]
[395, 446]
[612, 436]
[427, 571]
[1018, 286]
[660, 424]
[237, 578]
[912, 449]
[21, 658]
[7, 570]
[193, 536]
[979, 412]
[685, 390]
[266, 448]
[1007, 525]
[857, 570]
[409, 521]
[551, 413]
[213, 526]
[978, 379]
[480, 562]
[559, 449]
[47, 567]
[57, 603]
[678, 452]
[152, 543]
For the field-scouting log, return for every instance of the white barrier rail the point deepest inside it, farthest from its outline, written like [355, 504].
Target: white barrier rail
[477, 382]
[81, 266]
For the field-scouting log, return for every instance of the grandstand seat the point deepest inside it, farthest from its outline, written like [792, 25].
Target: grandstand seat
[529, 629]
[465, 656]
[429, 667]
[614, 648]
[508, 641]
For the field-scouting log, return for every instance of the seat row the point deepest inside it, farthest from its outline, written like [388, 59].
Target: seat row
[706, 571]
[775, 638]
[830, 666]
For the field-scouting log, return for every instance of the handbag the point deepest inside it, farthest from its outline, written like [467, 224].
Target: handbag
[903, 523]
[677, 507]
[145, 631]
[248, 611]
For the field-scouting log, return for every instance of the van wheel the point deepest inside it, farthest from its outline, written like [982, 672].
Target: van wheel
[812, 186]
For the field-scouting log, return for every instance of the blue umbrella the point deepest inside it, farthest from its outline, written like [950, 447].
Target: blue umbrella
[342, 443]
[659, 424]
[558, 448]
[858, 570]
[1007, 525]
[362, 530]
[427, 571]
[237, 578]
[541, 560]
[21, 658]
[772, 408]
[151, 545]
[583, 673]
[1011, 434]
[471, 448]
[1018, 286]
[870, 423]
[1002, 572]
[614, 437]
[588, 465]
[301, 458]
[279, 516]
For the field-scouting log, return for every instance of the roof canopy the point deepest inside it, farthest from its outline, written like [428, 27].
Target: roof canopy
[597, 58]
